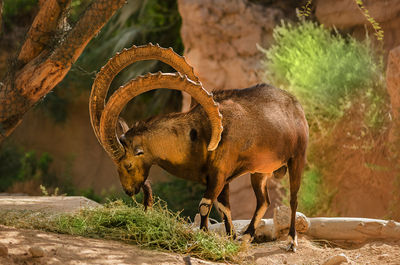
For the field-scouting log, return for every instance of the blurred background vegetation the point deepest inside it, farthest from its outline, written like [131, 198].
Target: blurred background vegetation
[138, 22]
[330, 73]
[336, 77]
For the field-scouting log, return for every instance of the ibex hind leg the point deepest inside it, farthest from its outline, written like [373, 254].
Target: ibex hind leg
[296, 166]
[259, 184]
[223, 206]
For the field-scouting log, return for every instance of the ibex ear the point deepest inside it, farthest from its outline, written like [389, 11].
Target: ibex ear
[123, 125]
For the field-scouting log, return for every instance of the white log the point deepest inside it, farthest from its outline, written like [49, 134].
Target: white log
[327, 228]
[352, 229]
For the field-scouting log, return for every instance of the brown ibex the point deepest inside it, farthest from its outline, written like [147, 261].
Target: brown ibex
[258, 130]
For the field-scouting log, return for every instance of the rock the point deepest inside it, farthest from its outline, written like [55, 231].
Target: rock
[220, 40]
[393, 81]
[36, 252]
[344, 14]
[336, 260]
[3, 250]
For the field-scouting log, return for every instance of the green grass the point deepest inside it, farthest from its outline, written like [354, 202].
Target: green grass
[158, 228]
[314, 197]
[323, 69]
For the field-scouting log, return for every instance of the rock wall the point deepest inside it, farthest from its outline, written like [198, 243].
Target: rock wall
[220, 39]
[345, 15]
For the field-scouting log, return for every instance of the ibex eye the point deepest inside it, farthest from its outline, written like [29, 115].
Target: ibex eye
[138, 152]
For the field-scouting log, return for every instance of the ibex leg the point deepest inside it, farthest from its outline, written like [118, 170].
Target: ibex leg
[214, 187]
[259, 184]
[147, 195]
[296, 166]
[223, 206]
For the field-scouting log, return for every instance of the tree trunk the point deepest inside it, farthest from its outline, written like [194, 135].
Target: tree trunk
[38, 68]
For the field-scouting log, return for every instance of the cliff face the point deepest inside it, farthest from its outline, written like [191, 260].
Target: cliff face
[345, 15]
[220, 40]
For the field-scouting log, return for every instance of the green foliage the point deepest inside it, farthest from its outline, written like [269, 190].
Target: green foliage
[180, 195]
[376, 114]
[375, 25]
[10, 164]
[138, 22]
[321, 68]
[14, 10]
[19, 165]
[306, 9]
[314, 196]
[16, 165]
[158, 228]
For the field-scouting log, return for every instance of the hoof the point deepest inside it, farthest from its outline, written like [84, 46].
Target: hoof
[292, 245]
[291, 248]
[246, 238]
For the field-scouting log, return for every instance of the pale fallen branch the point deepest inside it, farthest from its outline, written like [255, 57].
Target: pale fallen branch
[347, 229]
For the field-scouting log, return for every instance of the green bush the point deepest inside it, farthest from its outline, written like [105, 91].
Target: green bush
[15, 10]
[321, 68]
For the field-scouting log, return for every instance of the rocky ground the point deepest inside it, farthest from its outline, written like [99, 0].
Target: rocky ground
[23, 245]
[29, 247]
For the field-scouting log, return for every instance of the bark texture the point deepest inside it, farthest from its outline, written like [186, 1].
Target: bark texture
[41, 66]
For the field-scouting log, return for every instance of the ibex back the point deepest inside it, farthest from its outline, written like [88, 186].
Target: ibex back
[257, 130]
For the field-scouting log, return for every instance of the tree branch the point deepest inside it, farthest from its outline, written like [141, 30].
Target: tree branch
[23, 89]
[94, 18]
[42, 29]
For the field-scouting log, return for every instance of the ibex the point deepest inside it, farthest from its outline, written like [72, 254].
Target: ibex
[258, 130]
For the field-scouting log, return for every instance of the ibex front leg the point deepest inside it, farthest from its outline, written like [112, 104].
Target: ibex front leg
[215, 185]
[147, 195]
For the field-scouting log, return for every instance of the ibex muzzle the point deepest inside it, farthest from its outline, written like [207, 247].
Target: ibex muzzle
[258, 130]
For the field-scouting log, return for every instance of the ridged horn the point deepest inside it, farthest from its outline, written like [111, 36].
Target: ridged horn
[119, 62]
[143, 84]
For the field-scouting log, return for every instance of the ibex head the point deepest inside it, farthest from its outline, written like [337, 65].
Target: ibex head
[129, 152]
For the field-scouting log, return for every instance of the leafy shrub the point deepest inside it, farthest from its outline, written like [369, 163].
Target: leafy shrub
[314, 197]
[321, 68]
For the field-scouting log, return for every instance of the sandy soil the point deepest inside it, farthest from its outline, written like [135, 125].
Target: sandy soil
[65, 249]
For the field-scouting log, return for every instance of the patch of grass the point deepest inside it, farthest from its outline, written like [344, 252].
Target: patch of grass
[158, 228]
[323, 69]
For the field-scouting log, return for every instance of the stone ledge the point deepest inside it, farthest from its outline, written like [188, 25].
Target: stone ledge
[54, 204]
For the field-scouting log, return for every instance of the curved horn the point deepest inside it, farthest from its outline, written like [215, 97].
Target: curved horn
[120, 61]
[143, 84]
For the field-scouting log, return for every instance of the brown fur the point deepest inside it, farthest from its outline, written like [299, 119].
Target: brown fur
[265, 130]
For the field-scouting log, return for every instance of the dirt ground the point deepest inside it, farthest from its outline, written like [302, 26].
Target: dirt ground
[66, 249]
